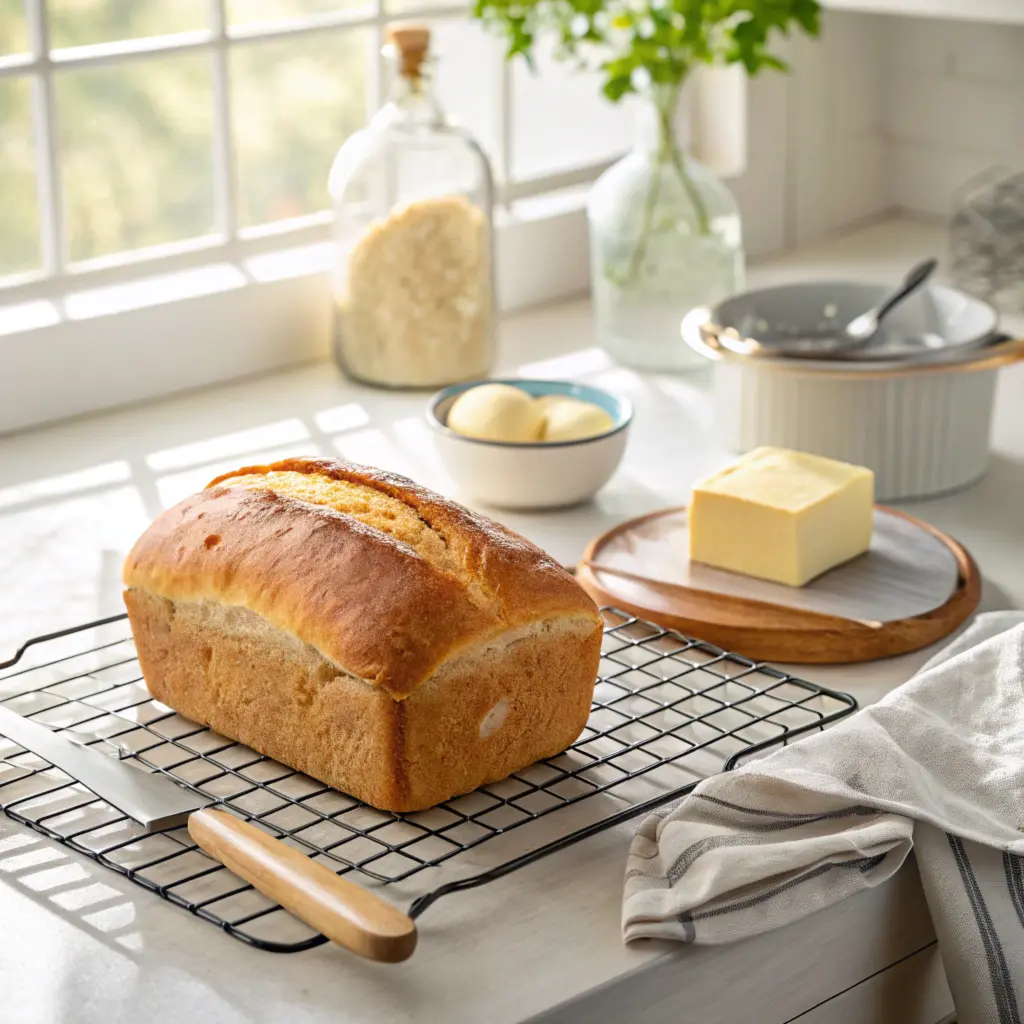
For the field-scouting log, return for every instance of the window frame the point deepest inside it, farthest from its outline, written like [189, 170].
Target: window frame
[59, 275]
[60, 357]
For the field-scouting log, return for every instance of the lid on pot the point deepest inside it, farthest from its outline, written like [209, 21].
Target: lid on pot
[937, 325]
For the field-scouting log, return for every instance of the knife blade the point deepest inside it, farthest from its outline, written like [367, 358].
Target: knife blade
[151, 799]
[343, 911]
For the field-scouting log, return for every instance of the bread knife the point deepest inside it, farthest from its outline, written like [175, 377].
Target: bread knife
[343, 911]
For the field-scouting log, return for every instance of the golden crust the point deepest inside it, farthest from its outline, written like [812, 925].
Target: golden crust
[369, 602]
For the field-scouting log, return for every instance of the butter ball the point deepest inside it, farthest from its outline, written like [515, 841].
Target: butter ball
[570, 419]
[497, 412]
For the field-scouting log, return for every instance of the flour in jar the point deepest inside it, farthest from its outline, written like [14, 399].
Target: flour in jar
[417, 308]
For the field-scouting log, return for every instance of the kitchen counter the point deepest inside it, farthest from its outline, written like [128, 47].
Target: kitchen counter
[80, 943]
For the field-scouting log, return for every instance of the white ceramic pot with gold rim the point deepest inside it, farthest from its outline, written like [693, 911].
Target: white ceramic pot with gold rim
[922, 422]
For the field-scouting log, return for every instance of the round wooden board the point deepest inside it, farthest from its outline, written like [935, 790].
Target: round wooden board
[771, 632]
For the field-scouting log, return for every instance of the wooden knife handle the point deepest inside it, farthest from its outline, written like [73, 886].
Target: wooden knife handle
[343, 911]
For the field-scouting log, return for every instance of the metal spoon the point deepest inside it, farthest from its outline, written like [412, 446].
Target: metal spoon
[857, 333]
[862, 328]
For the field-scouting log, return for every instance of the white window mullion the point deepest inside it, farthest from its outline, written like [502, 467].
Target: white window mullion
[505, 121]
[224, 179]
[376, 95]
[44, 115]
[16, 64]
[119, 50]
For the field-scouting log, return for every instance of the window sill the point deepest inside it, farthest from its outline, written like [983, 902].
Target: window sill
[128, 343]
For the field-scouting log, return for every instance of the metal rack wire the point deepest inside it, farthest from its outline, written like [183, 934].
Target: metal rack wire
[667, 712]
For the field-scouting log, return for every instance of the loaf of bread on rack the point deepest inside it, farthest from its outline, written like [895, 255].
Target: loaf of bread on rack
[362, 630]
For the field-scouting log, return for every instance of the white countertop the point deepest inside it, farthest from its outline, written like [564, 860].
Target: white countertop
[83, 944]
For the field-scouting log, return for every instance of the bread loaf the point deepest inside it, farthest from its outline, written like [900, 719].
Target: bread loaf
[363, 630]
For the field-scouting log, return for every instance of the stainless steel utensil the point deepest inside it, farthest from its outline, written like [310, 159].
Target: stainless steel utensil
[862, 328]
[152, 800]
[345, 912]
[857, 333]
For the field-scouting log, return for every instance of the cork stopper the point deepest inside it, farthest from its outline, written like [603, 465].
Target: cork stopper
[411, 43]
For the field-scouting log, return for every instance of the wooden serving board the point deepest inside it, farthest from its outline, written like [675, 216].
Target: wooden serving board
[914, 586]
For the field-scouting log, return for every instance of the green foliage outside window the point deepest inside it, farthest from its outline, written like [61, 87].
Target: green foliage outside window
[136, 137]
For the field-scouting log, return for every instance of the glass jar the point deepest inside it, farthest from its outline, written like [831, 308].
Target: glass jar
[987, 238]
[412, 198]
[665, 237]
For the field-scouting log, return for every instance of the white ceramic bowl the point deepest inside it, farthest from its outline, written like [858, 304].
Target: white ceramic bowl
[532, 475]
[922, 426]
[935, 321]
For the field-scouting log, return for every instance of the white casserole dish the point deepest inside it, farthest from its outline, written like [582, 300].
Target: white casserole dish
[921, 423]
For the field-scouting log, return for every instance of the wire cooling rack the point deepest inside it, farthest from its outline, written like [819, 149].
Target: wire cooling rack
[668, 711]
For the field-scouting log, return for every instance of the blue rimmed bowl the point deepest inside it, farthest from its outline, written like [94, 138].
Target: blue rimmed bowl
[532, 475]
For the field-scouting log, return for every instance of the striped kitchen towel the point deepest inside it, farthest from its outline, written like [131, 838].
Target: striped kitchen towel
[937, 765]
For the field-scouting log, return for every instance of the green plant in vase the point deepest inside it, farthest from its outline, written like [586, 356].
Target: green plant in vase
[665, 233]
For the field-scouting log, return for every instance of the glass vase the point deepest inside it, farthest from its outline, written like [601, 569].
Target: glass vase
[665, 238]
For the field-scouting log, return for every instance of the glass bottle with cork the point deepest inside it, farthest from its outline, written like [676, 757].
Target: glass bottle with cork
[412, 198]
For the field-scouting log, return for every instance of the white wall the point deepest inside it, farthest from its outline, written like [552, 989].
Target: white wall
[882, 113]
[954, 106]
[817, 158]
[839, 169]
[762, 189]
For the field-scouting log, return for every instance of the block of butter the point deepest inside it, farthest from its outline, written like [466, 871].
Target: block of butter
[782, 515]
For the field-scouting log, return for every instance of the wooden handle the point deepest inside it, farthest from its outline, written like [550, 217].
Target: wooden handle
[343, 911]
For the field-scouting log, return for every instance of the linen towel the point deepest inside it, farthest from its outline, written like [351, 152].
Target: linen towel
[938, 764]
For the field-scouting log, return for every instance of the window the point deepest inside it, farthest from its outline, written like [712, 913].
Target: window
[163, 166]
[143, 137]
